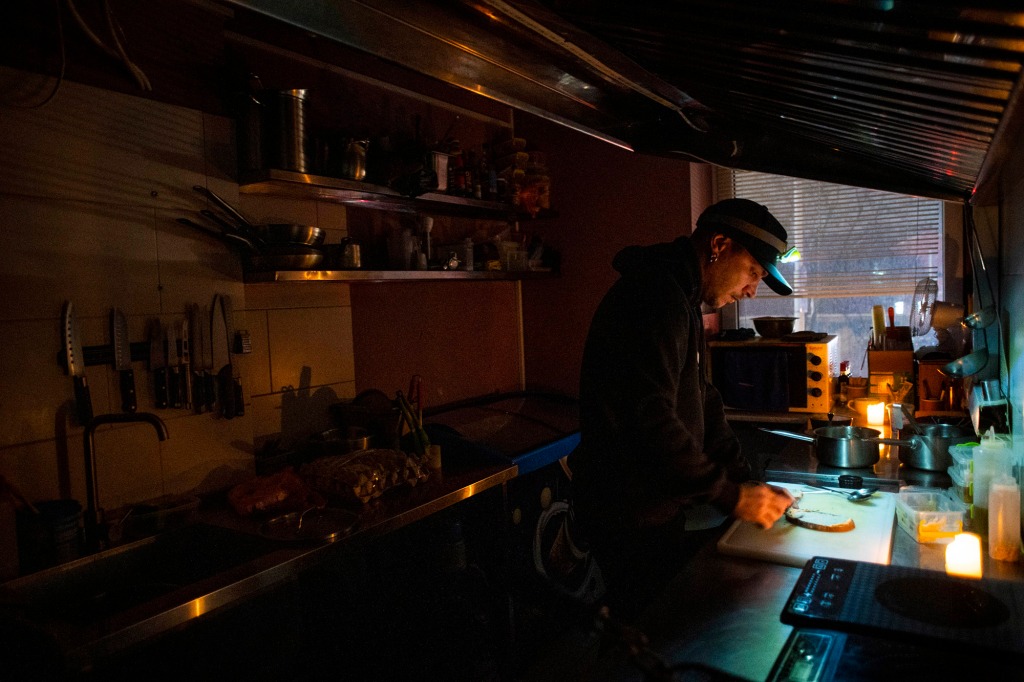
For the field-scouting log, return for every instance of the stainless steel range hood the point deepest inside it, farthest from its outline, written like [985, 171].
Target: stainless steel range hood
[913, 97]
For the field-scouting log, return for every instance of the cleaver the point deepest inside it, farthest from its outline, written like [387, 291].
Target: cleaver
[123, 359]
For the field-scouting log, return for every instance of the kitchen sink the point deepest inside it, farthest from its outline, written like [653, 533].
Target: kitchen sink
[109, 600]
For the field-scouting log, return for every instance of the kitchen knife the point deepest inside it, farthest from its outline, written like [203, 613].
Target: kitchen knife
[222, 358]
[186, 364]
[76, 364]
[173, 369]
[158, 363]
[195, 326]
[209, 385]
[238, 404]
[123, 359]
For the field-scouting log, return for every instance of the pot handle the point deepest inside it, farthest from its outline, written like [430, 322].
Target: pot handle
[913, 443]
[789, 434]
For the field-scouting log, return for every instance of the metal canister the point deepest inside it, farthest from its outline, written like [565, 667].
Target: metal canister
[288, 139]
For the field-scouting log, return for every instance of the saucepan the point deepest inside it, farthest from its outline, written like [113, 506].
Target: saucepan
[929, 447]
[848, 447]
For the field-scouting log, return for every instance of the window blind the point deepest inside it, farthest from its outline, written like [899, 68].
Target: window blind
[852, 241]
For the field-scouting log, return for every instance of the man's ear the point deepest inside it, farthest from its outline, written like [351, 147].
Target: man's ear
[720, 244]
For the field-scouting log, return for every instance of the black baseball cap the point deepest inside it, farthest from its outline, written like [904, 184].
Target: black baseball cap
[753, 226]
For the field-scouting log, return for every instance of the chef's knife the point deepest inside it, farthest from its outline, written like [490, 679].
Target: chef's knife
[222, 358]
[123, 359]
[173, 369]
[76, 364]
[158, 363]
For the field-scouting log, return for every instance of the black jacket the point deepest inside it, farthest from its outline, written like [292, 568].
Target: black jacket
[654, 438]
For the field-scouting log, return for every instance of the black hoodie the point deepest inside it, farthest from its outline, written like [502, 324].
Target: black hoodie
[654, 439]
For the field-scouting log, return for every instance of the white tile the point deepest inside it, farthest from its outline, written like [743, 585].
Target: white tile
[206, 452]
[310, 347]
[96, 255]
[296, 295]
[192, 266]
[291, 417]
[128, 467]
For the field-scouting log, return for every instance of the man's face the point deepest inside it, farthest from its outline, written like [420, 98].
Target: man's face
[735, 274]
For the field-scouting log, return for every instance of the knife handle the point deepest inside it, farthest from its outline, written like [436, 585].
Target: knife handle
[210, 390]
[174, 386]
[226, 390]
[128, 403]
[198, 392]
[160, 387]
[83, 400]
[186, 387]
[239, 397]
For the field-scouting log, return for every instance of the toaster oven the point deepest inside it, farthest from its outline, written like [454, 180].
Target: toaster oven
[775, 375]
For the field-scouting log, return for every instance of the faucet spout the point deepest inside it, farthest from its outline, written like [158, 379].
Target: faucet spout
[92, 514]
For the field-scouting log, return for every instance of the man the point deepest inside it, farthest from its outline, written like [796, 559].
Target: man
[655, 446]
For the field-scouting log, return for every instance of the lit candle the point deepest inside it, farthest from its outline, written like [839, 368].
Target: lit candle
[963, 556]
[876, 414]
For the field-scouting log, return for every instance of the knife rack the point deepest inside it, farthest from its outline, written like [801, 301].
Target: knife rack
[104, 355]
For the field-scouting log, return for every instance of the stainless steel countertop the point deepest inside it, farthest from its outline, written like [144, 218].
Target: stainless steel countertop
[85, 642]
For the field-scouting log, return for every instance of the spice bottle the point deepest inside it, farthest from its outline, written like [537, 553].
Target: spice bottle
[844, 381]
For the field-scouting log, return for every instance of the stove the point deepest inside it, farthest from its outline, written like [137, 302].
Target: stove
[863, 621]
[796, 463]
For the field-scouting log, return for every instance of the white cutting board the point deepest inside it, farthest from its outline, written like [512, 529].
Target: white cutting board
[785, 543]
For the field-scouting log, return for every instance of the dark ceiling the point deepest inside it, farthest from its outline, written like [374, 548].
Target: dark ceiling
[914, 97]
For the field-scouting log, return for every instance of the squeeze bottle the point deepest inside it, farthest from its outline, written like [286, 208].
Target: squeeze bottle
[1004, 519]
[992, 459]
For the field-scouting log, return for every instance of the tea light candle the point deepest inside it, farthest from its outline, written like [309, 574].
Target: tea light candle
[876, 414]
[963, 556]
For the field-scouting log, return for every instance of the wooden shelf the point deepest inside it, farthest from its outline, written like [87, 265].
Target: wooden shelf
[366, 195]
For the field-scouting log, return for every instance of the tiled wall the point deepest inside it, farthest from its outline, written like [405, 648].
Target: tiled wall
[90, 186]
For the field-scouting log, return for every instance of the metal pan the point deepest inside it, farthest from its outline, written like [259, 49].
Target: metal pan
[848, 447]
[224, 205]
[288, 234]
[286, 258]
[231, 238]
[929, 449]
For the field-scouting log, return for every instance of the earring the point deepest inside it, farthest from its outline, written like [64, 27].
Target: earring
[714, 257]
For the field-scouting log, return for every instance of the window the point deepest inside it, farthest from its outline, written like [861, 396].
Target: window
[859, 248]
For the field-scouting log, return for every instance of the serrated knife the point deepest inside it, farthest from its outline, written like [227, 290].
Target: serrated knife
[76, 364]
[123, 359]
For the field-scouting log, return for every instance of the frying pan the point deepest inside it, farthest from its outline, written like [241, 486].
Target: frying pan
[286, 258]
[280, 234]
[230, 237]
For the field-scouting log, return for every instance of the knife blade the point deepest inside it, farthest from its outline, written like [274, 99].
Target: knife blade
[209, 389]
[123, 359]
[195, 326]
[238, 402]
[221, 358]
[186, 364]
[158, 363]
[173, 369]
[76, 364]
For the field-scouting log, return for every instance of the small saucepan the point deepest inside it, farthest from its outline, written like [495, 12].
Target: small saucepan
[929, 448]
[848, 447]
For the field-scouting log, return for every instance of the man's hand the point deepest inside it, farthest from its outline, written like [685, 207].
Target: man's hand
[762, 504]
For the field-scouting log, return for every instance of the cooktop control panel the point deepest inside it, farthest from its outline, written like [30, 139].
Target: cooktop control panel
[909, 604]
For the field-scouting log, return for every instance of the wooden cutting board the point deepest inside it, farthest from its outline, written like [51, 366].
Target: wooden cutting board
[785, 543]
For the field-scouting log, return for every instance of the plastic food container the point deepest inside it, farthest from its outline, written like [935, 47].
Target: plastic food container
[962, 484]
[929, 515]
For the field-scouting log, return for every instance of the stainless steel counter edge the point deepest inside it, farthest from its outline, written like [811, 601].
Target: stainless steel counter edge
[264, 572]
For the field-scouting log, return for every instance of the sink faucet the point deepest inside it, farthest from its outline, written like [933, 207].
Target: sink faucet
[92, 513]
